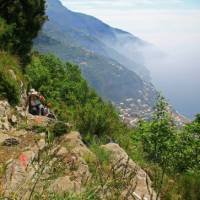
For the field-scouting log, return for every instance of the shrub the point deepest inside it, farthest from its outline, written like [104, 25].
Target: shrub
[24, 19]
[72, 99]
[59, 129]
[10, 79]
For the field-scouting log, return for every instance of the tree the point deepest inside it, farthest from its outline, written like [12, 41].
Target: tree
[158, 134]
[72, 99]
[26, 18]
[158, 140]
[192, 135]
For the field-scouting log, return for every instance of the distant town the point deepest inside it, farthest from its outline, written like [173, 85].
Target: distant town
[132, 111]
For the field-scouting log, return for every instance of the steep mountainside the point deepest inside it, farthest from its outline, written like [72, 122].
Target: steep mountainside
[84, 40]
[33, 167]
[89, 32]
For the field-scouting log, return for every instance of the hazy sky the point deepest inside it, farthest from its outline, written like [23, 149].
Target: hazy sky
[157, 21]
[171, 25]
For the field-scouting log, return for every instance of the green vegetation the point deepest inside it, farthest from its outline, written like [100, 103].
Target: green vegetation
[72, 99]
[10, 78]
[22, 21]
[89, 194]
[170, 155]
[174, 154]
[59, 129]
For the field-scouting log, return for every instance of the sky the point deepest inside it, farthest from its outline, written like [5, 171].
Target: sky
[171, 25]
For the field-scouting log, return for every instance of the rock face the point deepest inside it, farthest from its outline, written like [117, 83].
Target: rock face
[72, 151]
[140, 181]
[32, 166]
[64, 168]
[5, 110]
[19, 174]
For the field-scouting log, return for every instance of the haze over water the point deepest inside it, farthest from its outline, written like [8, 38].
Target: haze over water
[174, 27]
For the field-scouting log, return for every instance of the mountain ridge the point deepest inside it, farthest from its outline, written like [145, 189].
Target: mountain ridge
[100, 32]
[82, 43]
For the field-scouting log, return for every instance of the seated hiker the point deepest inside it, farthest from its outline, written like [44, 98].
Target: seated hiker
[34, 103]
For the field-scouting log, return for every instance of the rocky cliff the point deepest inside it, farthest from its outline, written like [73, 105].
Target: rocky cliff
[33, 166]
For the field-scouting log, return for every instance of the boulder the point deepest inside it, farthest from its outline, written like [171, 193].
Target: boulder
[140, 181]
[38, 120]
[73, 141]
[19, 175]
[72, 152]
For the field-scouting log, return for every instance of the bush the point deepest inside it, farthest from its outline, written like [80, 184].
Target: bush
[59, 129]
[6, 35]
[189, 186]
[72, 99]
[24, 20]
[10, 79]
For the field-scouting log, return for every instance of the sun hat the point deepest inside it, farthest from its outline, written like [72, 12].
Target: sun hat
[33, 92]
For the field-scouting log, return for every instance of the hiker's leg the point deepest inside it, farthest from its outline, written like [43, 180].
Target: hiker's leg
[33, 110]
[40, 109]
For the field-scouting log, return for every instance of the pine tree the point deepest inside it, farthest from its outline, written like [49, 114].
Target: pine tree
[26, 18]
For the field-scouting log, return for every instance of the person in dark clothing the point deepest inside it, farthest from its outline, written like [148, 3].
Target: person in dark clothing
[34, 104]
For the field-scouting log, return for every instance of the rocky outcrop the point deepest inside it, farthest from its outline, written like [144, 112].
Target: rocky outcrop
[72, 150]
[5, 111]
[141, 183]
[63, 168]
[32, 166]
[22, 171]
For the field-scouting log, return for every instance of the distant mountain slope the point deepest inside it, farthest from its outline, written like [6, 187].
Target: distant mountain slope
[84, 40]
[89, 32]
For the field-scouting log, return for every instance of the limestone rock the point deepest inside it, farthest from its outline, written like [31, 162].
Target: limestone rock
[13, 119]
[19, 174]
[3, 137]
[4, 107]
[41, 144]
[62, 152]
[6, 126]
[18, 133]
[21, 112]
[142, 189]
[65, 184]
[72, 150]
[74, 142]
[5, 110]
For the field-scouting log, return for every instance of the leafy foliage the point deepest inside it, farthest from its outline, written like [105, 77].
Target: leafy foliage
[158, 136]
[22, 21]
[10, 78]
[59, 129]
[72, 99]
[174, 152]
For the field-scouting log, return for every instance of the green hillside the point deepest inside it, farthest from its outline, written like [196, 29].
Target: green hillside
[169, 155]
[106, 70]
